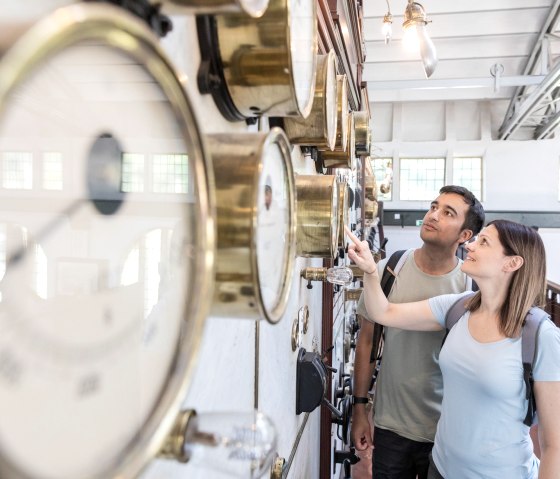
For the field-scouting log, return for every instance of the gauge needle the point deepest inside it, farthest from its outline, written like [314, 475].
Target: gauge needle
[104, 188]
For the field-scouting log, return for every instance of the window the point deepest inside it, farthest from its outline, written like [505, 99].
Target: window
[52, 171]
[133, 173]
[467, 172]
[171, 173]
[383, 171]
[17, 170]
[421, 178]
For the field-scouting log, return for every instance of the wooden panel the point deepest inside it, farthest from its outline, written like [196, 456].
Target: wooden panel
[340, 27]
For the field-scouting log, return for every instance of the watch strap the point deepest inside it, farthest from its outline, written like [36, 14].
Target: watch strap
[359, 400]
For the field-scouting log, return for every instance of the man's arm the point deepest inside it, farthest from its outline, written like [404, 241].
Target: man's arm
[363, 370]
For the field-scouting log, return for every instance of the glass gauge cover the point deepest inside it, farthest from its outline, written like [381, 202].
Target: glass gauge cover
[303, 50]
[102, 299]
[275, 227]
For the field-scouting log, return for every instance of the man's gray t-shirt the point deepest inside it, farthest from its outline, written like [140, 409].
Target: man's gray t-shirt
[409, 387]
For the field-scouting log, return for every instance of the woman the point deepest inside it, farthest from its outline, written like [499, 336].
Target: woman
[481, 433]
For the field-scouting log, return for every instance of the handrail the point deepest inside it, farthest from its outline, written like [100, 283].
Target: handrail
[553, 301]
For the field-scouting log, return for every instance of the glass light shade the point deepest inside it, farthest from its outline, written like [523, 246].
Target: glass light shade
[427, 50]
[340, 275]
[239, 444]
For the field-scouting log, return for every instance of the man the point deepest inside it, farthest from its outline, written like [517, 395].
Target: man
[409, 386]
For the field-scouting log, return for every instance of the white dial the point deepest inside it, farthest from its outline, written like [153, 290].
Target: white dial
[108, 177]
[331, 99]
[303, 50]
[274, 234]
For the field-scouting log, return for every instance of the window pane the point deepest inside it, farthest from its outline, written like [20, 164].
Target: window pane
[383, 171]
[467, 172]
[171, 173]
[421, 178]
[133, 172]
[52, 171]
[17, 170]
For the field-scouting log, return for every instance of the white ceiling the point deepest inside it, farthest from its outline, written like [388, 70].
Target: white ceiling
[472, 38]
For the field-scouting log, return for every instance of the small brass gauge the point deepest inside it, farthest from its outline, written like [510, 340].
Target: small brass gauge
[342, 108]
[261, 66]
[370, 209]
[255, 197]
[317, 215]
[370, 187]
[319, 128]
[362, 125]
[254, 8]
[84, 391]
[342, 158]
[343, 207]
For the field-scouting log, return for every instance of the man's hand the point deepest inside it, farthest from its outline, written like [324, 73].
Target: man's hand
[361, 429]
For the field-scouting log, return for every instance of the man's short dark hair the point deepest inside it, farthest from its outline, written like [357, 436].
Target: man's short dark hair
[475, 214]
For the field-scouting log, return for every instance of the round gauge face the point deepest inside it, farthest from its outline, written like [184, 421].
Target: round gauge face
[254, 7]
[303, 50]
[331, 99]
[335, 216]
[98, 323]
[274, 232]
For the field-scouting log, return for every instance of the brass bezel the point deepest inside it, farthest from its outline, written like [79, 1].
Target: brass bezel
[317, 211]
[314, 130]
[237, 160]
[343, 158]
[220, 6]
[342, 107]
[362, 125]
[118, 29]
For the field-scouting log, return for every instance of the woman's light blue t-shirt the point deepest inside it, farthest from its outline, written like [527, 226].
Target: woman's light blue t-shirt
[481, 433]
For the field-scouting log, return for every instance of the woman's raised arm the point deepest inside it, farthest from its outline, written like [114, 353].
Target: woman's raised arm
[415, 316]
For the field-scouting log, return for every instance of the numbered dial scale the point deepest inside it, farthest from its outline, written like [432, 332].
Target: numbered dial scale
[104, 282]
[255, 197]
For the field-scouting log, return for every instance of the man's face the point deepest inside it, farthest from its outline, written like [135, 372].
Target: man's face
[444, 220]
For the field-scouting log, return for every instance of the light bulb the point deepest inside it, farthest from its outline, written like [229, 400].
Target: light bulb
[427, 50]
[410, 39]
[340, 275]
[241, 444]
[387, 28]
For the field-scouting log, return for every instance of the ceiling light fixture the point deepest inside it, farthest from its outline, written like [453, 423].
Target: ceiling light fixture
[415, 20]
[387, 29]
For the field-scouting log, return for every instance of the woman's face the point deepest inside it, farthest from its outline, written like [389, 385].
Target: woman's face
[486, 257]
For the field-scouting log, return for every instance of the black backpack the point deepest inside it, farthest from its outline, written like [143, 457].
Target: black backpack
[390, 272]
[529, 335]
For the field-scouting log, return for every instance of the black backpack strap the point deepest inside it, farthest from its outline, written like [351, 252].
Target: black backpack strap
[529, 342]
[387, 279]
[389, 275]
[454, 313]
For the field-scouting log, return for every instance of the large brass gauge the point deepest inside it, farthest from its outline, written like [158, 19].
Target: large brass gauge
[106, 156]
[319, 128]
[342, 158]
[255, 8]
[342, 108]
[256, 224]
[317, 215]
[261, 66]
[362, 125]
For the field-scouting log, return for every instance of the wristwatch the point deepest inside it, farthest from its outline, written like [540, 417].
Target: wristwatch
[359, 400]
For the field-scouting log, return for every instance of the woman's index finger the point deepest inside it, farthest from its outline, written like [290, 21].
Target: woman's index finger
[351, 235]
